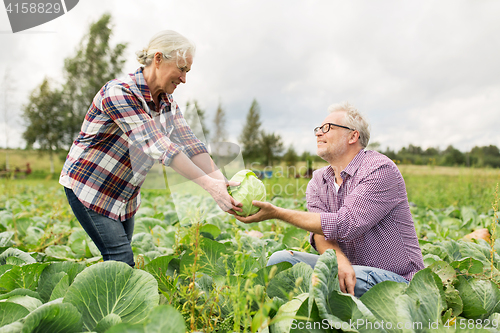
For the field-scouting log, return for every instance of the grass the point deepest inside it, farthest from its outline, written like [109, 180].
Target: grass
[427, 186]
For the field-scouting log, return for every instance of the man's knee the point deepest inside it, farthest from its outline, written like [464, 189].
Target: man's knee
[280, 256]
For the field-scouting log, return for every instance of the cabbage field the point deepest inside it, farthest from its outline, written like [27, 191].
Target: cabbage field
[207, 273]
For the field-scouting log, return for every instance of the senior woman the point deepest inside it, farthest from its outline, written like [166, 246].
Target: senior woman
[132, 123]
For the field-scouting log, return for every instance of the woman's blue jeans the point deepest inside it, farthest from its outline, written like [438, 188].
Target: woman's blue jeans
[111, 237]
[366, 277]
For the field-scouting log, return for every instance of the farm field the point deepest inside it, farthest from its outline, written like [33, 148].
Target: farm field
[198, 269]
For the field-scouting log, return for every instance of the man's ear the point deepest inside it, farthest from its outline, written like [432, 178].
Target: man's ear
[354, 137]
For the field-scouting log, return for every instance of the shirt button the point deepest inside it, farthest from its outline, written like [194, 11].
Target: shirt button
[124, 201]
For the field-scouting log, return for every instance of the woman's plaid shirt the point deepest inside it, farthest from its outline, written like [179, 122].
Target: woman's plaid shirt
[119, 142]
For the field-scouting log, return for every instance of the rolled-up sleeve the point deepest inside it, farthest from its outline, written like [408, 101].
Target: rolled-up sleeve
[140, 130]
[314, 205]
[374, 197]
[185, 138]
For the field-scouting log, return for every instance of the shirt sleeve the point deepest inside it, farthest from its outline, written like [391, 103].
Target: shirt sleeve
[184, 136]
[369, 202]
[314, 205]
[125, 109]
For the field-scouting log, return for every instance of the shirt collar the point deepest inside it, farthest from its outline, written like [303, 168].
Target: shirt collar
[350, 169]
[354, 165]
[138, 77]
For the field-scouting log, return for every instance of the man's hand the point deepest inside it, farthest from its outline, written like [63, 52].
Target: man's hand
[267, 211]
[347, 277]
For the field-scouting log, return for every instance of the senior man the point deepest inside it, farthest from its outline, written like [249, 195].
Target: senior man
[357, 205]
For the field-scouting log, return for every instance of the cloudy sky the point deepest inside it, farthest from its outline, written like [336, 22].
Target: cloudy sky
[424, 72]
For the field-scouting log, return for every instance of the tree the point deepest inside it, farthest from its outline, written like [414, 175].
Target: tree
[251, 134]
[94, 64]
[219, 148]
[453, 156]
[220, 134]
[290, 156]
[271, 146]
[45, 119]
[195, 117]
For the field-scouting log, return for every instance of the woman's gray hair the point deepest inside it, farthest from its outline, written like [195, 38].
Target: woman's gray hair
[171, 44]
[353, 119]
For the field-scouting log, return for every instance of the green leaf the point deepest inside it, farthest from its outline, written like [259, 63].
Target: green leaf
[21, 292]
[209, 253]
[468, 265]
[286, 281]
[107, 322]
[480, 297]
[325, 285]
[15, 327]
[381, 301]
[294, 237]
[25, 276]
[163, 318]
[30, 303]
[60, 288]
[10, 312]
[112, 287]
[53, 274]
[284, 318]
[142, 243]
[162, 238]
[146, 224]
[60, 251]
[53, 317]
[444, 271]
[426, 290]
[211, 229]
[454, 301]
[163, 271]
[23, 257]
[262, 277]
[314, 324]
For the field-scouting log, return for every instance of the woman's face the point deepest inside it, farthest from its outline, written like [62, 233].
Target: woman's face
[172, 73]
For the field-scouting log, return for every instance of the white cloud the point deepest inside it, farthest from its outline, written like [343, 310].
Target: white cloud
[415, 68]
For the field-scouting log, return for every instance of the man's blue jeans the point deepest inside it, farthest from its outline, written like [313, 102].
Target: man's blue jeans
[366, 277]
[111, 237]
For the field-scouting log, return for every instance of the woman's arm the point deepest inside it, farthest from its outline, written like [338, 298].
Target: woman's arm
[216, 187]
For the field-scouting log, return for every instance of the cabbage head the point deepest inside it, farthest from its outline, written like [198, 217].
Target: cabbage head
[251, 188]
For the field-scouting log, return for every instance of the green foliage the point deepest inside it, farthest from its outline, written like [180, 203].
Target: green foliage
[249, 137]
[271, 147]
[486, 156]
[95, 63]
[45, 118]
[195, 117]
[207, 273]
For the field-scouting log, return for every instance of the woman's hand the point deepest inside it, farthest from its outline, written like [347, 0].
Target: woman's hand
[218, 190]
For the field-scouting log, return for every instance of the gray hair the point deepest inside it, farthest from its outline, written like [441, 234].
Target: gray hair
[171, 44]
[353, 119]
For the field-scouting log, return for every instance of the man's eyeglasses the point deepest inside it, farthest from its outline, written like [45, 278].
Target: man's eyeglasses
[326, 127]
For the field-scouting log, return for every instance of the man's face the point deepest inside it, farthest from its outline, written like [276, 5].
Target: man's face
[333, 144]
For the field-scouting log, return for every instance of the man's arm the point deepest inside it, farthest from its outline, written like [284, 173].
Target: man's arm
[303, 220]
[347, 276]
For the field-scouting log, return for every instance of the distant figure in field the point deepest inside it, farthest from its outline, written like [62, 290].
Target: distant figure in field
[132, 123]
[357, 206]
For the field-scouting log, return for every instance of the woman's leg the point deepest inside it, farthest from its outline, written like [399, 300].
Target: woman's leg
[111, 237]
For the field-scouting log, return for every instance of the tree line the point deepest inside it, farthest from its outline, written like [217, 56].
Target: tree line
[485, 156]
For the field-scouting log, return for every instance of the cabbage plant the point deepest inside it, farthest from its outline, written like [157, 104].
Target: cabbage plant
[251, 188]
